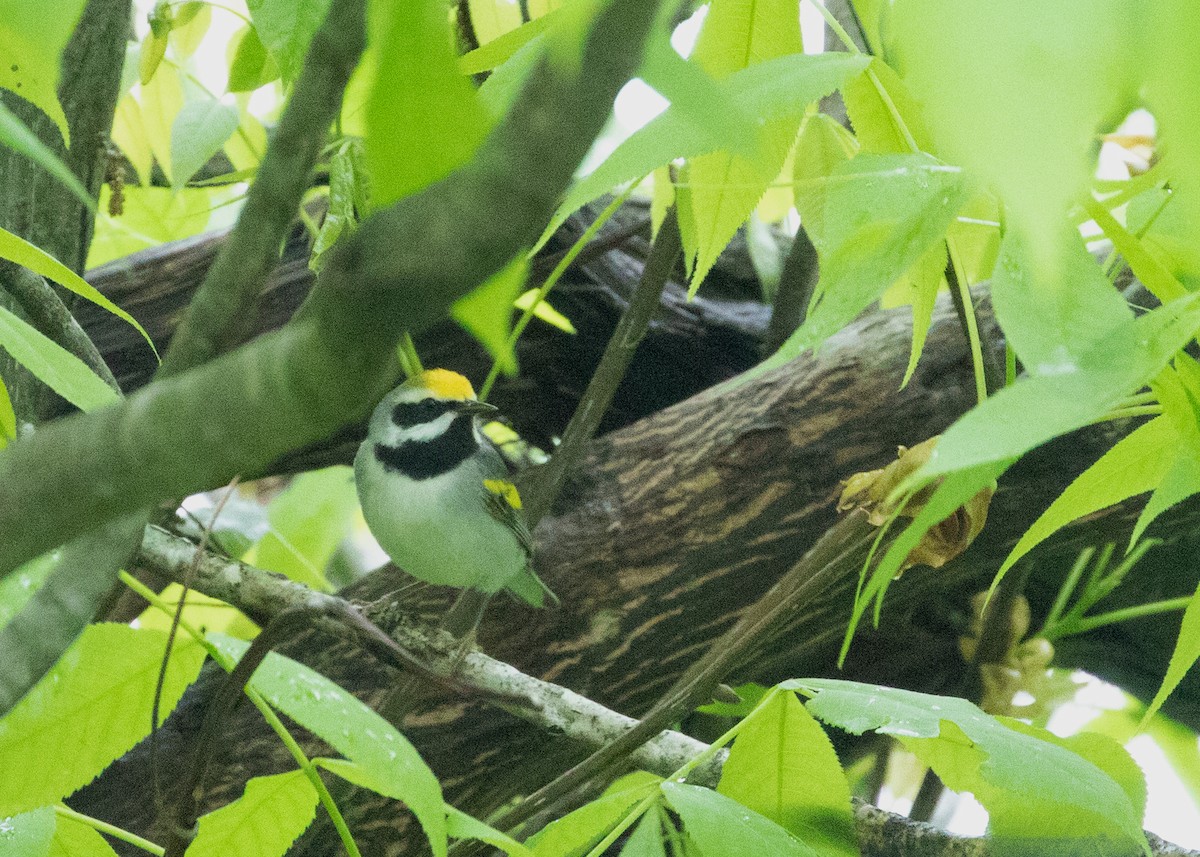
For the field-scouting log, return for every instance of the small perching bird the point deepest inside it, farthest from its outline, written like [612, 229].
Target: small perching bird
[435, 492]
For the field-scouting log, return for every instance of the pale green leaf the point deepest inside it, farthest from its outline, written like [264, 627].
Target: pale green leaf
[575, 833]
[462, 826]
[1052, 316]
[1169, 72]
[499, 50]
[8, 418]
[721, 827]
[884, 115]
[646, 839]
[250, 65]
[1159, 281]
[19, 250]
[881, 215]
[153, 50]
[53, 365]
[783, 767]
[308, 521]
[922, 282]
[988, 73]
[1163, 231]
[199, 131]
[423, 116]
[32, 39]
[1181, 481]
[92, 707]
[776, 89]
[154, 215]
[340, 719]
[18, 587]
[740, 33]
[76, 839]
[28, 834]
[269, 816]
[486, 312]
[129, 135]
[543, 311]
[16, 135]
[1007, 770]
[161, 100]
[1036, 409]
[503, 85]
[1185, 655]
[286, 27]
[245, 149]
[192, 20]
[491, 19]
[1135, 464]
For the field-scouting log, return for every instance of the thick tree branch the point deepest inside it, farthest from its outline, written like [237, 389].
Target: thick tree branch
[402, 268]
[550, 707]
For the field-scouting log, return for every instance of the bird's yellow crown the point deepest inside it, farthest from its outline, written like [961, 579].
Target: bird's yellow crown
[446, 384]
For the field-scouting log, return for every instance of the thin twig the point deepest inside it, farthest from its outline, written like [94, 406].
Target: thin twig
[611, 369]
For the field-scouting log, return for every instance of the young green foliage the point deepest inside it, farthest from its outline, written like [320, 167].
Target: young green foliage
[384, 758]
[1014, 770]
[269, 816]
[92, 707]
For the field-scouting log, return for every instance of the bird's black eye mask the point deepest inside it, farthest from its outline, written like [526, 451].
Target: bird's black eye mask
[409, 414]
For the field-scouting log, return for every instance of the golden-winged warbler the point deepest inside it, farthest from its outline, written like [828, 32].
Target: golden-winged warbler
[435, 492]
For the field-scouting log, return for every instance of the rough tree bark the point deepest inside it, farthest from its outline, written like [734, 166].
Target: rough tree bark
[673, 524]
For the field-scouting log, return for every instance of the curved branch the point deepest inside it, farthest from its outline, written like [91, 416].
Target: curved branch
[402, 269]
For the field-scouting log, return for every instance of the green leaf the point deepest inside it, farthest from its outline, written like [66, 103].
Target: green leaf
[1185, 655]
[499, 50]
[881, 214]
[16, 135]
[76, 839]
[286, 27]
[28, 834]
[128, 134]
[90, 708]
[954, 491]
[1052, 317]
[423, 116]
[161, 100]
[721, 827]
[53, 365]
[646, 839]
[776, 89]
[269, 816]
[308, 521]
[19, 250]
[154, 215]
[1137, 463]
[199, 131]
[250, 65]
[575, 833]
[885, 116]
[491, 19]
[1159, 281]
[1036, 409]
[8, 418]
[1009, 771]
[192, 20]
[18, 587]
[486, 312]
[32, 39]
[1180, 482]
[462, 826]
[986, 74]
[354, 730]
[542, 310]
[783, 767]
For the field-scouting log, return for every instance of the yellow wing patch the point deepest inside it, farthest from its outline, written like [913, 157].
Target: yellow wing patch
[505, 490]
[446, 384]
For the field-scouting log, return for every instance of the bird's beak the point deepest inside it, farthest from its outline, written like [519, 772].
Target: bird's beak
[476, 408]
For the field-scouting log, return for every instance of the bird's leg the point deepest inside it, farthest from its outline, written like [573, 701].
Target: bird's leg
[462, 619]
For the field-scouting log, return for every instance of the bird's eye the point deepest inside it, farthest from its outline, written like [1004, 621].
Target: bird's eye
[409, 414]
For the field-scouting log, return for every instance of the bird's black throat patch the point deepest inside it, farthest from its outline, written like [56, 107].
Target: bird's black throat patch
[424, 459]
